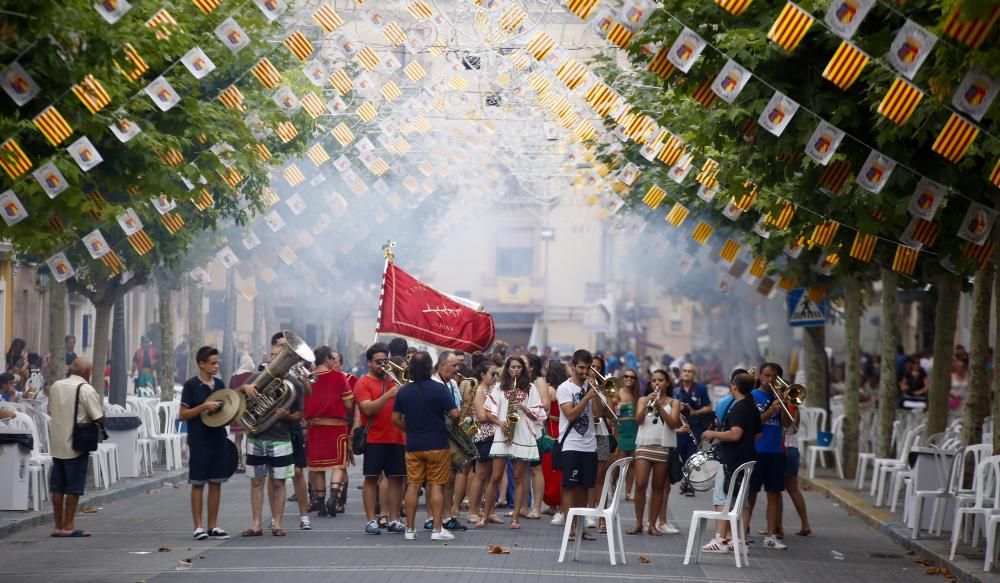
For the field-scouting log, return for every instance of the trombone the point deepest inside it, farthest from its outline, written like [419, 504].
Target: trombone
[399, 374]
[787, 393]
[608, 388]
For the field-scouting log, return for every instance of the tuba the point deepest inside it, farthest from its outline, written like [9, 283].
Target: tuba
[273, 391]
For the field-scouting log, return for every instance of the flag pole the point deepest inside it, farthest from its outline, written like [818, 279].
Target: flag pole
[389, 258]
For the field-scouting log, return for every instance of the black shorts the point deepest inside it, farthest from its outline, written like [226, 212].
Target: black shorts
[299, 449]
[207, 464]
[484, 447]
[769, 472]
[69, 476]
[387, 458]
[579, 468]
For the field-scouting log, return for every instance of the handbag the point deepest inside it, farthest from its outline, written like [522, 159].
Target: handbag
[545, 441]
[557, 449]
[86, 436]
[359, 437]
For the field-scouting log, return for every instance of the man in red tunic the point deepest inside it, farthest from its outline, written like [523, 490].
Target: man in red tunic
[329, 412]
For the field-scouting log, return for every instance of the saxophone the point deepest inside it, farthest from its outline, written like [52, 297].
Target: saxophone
[468, 388]
[512, 415]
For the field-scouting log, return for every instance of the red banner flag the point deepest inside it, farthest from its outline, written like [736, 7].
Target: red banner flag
[410, 308]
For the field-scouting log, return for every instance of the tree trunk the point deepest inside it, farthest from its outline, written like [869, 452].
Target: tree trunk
[165, 288]
[779, 333]
[118, 389]
[228, 336]
[888, 397]
[945, 321]
[977, 396]
[102, 344]
[57, 332]
[818, 389]
[196, 333]
[852, 372]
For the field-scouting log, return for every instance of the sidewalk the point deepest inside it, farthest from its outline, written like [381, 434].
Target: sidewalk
[968, 563]
[12, 521]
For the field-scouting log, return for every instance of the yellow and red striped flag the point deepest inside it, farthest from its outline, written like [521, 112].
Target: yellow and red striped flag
[970, 32]
[817, 292]
[783, 218]
[97, 204]
[13, 160]
[708, 175]
[327, 18]
[654, 197]
[836, 176]
[422, 125]
[824, 233]
[863, 247]
[172, 158]
[702, 232]
[787, 282]
[677, 214]
[661, 65]
[231, 176]
[995, 174]
[758, 267]
[979, 253]
[672, 151]
[905, 260]
[734, 7]
[113, 263]
[313, 105]
[845, 66]
[232, 98]
[414, 71]
[266, 73]
[162, 24]
[924, 232]
[207, 6]
[572, 72]
[173, 222]
[293, 175]
[53, 125]
[343, 134]
[394, 34]
[287, 132]
[56, 224]
[204, 200]
[391, 91]
[341, 82]
[703, 93]
[620, 35]
[299, 45]
[729, 250]
[540, 45]
[368, 58]
[790, 26]
[269, 197]
[140, 242]
[457, 82]
[318, 154]
[955, 138]
[900, 101]
[419, 9]
[91, 93]
[367, 112]
[582, 8]
[135, 67]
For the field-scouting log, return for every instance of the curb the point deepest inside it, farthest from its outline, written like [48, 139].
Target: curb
[886, 523]
[97, 499]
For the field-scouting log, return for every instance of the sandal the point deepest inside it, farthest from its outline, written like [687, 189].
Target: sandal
[653, 531]
[494, 519]
[515, 525]
[804, 532]
[533, 515]
[252, 532]
[481, 524]
[278, 532]
[634, 530]
[473, 518]
[588, 536]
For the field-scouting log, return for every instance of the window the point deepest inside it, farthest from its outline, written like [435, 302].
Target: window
[86, 331]
[515, 262]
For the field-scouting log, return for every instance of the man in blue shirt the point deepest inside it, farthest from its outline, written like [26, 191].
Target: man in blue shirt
[697, 409]
[770, 469]
[421, 410]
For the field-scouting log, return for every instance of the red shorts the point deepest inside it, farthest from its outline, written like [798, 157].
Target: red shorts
[326, 447]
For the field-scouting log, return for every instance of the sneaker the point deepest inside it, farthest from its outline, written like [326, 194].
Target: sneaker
[410, 534]
[667, 528]
[453, 524]
[717, 545]
[590, 522]
[429, 524]
[771, 542]
[372, 528]
[558, 519]
[442, 535]
[200, 534]
[304, 523]
[217, 533]
[396, 527]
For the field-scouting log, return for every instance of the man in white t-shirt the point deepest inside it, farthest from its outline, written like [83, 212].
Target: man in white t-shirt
[576, 430]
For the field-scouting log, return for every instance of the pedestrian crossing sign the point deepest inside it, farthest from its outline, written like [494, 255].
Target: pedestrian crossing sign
[803, 312]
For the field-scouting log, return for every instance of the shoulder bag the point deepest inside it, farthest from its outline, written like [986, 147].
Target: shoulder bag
[87, 435]
[557, 449]
[359, 439]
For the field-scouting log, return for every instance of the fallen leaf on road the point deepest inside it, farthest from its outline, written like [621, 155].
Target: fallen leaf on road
[911, 552]
[188, 561]
[164, 549]
[89, 509]
[201, 556]
[497, 550]
[643, 559]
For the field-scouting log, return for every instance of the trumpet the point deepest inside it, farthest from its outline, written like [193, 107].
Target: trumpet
[607, 389]
[787, 393]
[399, 374]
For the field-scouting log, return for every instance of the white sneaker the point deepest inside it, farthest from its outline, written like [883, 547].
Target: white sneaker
[304, 523]
[717, 545]
[442, 535]
[667, 528]
[771, 542]
[558, 519]
[411, 534]
[590, 522]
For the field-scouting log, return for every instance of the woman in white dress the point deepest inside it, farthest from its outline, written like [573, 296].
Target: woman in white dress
[514, 390]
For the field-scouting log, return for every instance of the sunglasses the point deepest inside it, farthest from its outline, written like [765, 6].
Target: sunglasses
[629, 376]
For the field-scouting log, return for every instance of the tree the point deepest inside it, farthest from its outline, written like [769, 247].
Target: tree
[945, 321]
[976, 404]
[888, 398]
[57, 331]
[165, 286]
[852, 372]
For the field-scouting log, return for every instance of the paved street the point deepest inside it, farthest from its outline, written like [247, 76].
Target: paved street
[129, 534]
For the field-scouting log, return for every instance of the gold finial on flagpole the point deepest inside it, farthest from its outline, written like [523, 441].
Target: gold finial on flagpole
[387, 248]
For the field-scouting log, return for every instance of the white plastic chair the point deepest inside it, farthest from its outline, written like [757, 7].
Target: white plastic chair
[816, 451]
[812, 420]
[606, 509]
[987, 480]
[886, 466]
[171, 443]
[868, 458]
[945, 470]
[739, 485]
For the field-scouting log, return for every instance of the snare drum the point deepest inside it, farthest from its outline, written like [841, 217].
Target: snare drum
[700, 469]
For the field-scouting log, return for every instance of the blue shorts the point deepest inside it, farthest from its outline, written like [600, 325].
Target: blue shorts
[769, 473]
[791, 461]
[69, 476]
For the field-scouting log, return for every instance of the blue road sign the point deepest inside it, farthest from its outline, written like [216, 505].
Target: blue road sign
[803, 312]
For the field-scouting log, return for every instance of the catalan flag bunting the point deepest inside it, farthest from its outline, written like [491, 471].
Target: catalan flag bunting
[823, 234]
[313, 105]
[204, 200]
[672, 151]
[540, 45]
[836, 176]
[582, 8]
[925, 232]
[905, 260]
[677, 214]
[758, 267]
[863, 247]
[900, 101]
[113, 263]
[955, 138]
[368, 58]
[703, 93]
[790, 26]
[232, 98]
[783, 218]
[817, 292]
[207, 6]
[299, 45]
[414, 71]
[654, 197]
[419, 9]
[620, 35]
[318, 154]
[343, 134]
[660, 65]
[729, 250]
[845, 66]
[135, 67]
[141, 242]
[53, 125]
[787, 282]
[266, 73]
[970, 32]
[995, 174]
[980, 253]
[367, 112]
[327, 18]
[173, 222]
[702, 232]
[91, 93]
[13, 160]
[286, 131]
[734, 7]
[293, 175]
